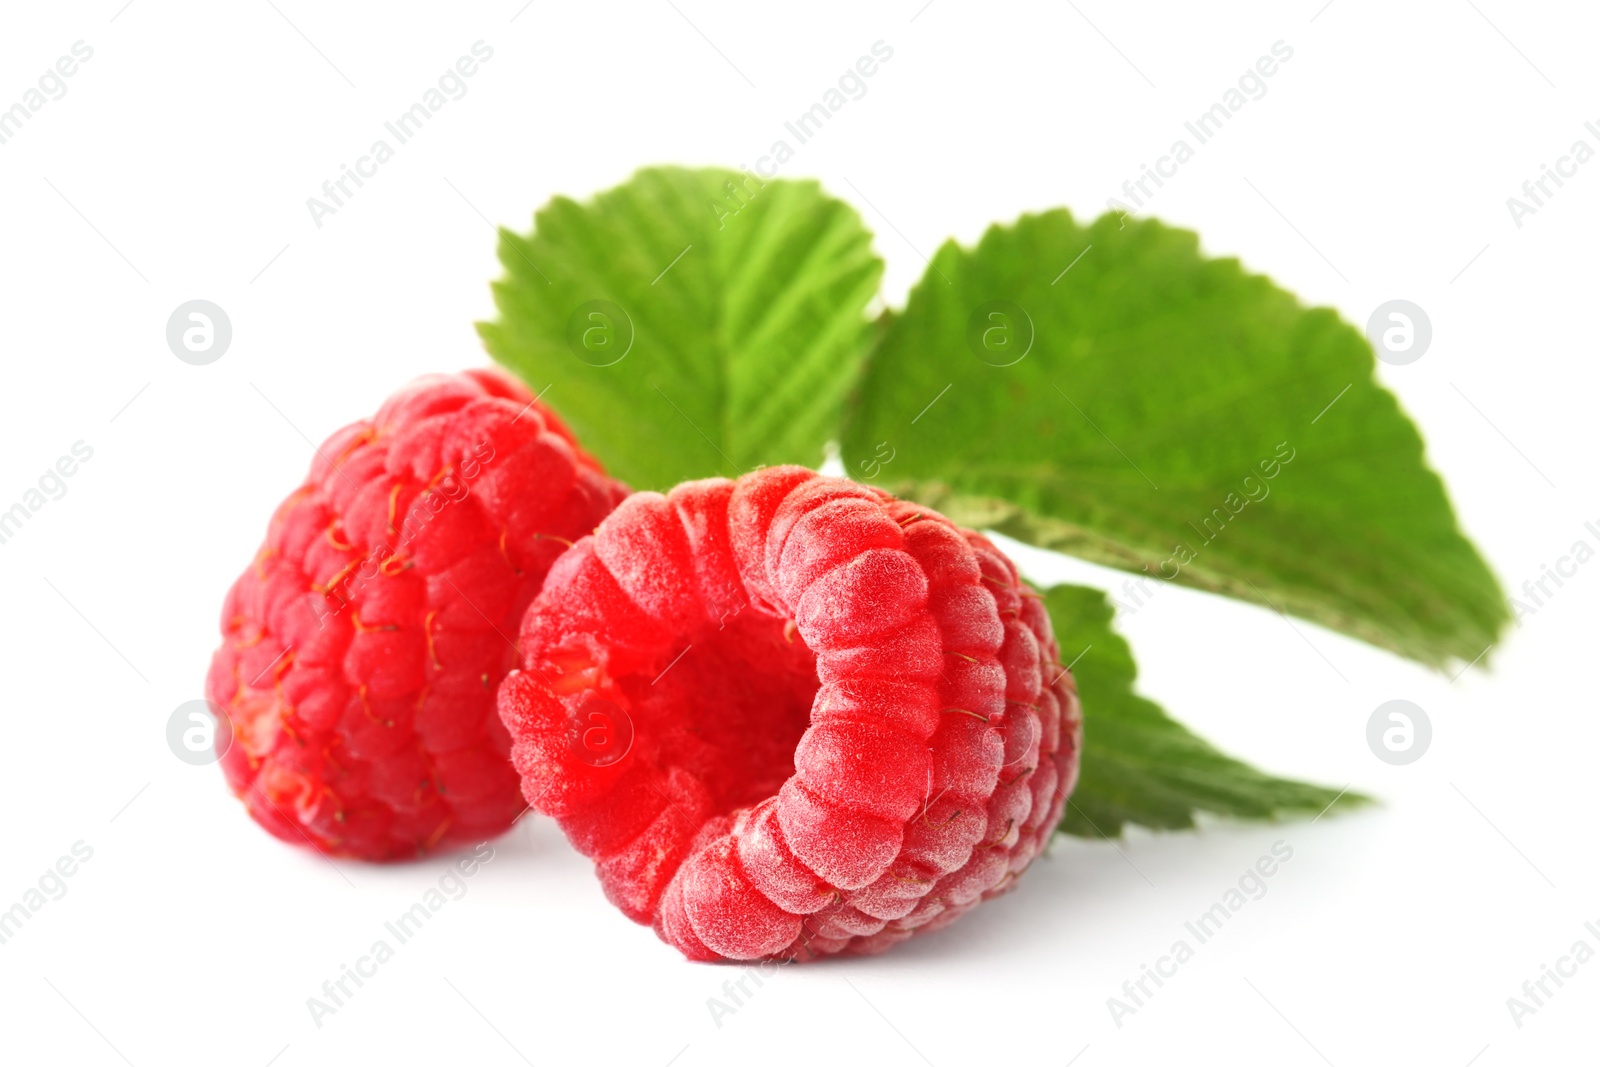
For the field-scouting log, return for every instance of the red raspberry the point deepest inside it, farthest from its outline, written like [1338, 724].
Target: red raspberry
[362, 649]
[791, 716]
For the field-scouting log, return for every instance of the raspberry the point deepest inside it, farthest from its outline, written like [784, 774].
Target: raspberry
[791, 716]
[362, 648]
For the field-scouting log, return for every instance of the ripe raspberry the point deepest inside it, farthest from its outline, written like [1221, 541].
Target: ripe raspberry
[791, 716]
[362, 648]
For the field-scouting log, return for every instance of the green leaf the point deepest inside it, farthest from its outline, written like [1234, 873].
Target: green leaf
[1141, 767]
[733, 326]
[1162, 390]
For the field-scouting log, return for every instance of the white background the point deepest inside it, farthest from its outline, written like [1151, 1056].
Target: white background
[177, 166]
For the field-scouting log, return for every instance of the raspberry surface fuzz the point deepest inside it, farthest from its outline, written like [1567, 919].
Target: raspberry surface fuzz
[790, 716]
[362, 647]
